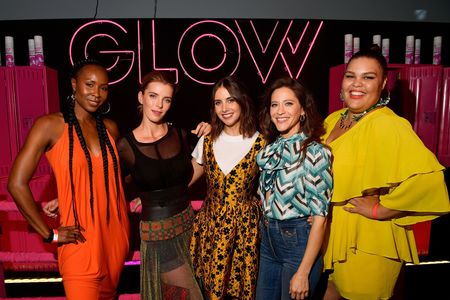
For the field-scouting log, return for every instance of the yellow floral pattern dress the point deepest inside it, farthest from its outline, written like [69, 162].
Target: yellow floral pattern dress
[225, 240]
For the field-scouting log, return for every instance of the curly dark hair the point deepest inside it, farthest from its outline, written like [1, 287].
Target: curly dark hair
[312, 126]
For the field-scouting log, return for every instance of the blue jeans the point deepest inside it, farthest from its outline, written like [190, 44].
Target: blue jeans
[283, 245]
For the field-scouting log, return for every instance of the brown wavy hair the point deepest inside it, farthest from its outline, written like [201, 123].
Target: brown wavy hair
[312, 126]
[247, 119]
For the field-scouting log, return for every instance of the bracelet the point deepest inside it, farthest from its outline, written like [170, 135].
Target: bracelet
[55, 236]
[375, 210]
[50, 238]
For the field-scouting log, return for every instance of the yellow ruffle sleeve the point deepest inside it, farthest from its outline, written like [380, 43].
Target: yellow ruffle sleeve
[382, 151]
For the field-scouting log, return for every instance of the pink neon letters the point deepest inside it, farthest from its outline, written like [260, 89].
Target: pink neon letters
[267, 48]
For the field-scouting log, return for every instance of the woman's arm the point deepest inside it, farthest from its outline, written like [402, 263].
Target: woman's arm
[202, 129]
[38, 140]
[43, 135]
[370, 207]
[198, 171]
[299, 287]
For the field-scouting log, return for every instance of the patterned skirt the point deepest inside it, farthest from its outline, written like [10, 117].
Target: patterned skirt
[225, 250]
[165, 248]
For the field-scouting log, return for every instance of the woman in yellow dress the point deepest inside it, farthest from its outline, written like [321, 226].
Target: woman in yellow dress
[385, 181]
[225, 240]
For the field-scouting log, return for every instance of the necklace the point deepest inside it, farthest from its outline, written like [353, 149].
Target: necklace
[342, 124]
[356, 117]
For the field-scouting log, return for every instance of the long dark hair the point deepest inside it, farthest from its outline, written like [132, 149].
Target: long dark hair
[247, 121]
[312, 126]
[105, 146]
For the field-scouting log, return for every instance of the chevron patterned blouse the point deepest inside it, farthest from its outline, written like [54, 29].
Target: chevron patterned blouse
[296, 186]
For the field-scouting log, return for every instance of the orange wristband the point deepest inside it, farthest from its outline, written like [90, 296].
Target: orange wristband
[375, 210]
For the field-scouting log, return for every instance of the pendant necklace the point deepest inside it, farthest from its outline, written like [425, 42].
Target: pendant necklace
[356, 117]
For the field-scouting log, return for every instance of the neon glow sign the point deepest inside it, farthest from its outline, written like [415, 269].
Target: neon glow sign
[267, 48]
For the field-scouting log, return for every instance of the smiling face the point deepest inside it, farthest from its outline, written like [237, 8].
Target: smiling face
[227, 110]
[285, 111]
[90, 88]
[362, 84]
[156, 100]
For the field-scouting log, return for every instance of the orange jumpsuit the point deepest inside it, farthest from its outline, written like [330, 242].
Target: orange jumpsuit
[90, 270]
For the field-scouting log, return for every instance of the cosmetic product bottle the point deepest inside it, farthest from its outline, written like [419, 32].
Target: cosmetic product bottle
[31, 52]
[348, 47]
[39, 51]
[376, 39]
[9, 51]
[409, 50]
[417, 51]
[437, 47]
[385, 49]
[356, 44]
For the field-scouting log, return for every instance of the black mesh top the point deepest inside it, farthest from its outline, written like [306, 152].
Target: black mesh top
[159, 165]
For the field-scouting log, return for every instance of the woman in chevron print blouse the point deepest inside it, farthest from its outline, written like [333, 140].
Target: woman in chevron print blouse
[295, 183]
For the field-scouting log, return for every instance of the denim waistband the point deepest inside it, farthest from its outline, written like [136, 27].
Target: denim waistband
[292, 221]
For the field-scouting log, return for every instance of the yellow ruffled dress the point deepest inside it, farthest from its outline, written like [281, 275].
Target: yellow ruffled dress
[381, 151]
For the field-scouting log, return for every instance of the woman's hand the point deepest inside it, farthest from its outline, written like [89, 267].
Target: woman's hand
[136, 205]
[363, 205]
[299, 286]
[71, 235]
[202, 129]
[51, 208]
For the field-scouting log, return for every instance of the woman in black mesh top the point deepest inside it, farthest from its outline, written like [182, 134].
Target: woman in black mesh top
[157, 157]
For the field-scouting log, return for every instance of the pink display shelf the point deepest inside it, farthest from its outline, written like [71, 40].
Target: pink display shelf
[420, 98]
[8, 132]
[444, 130]
[16, 235]
[25, 94]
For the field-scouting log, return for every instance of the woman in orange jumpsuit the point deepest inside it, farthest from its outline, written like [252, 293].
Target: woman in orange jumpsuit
[80, 146]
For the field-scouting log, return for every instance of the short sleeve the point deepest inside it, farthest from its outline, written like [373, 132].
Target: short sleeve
[318, 179]
[197, 153]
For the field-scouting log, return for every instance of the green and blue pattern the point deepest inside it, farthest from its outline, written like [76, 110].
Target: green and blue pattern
[296, 186]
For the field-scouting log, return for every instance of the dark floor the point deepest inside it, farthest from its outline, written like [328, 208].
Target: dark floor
[416, 282]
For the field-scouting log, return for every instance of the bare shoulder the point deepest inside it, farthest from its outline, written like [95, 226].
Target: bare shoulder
[112, 128]
[44, 133]
[51, 125]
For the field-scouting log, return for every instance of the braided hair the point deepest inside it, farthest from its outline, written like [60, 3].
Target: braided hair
[105, 145]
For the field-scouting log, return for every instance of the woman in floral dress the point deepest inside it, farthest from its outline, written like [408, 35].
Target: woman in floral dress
[225, 240]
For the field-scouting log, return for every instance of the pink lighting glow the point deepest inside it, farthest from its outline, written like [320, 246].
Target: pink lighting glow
[109, 52]
[266, 48]
[154, 54]
[253, 51]
[296, 48]
[207, 22]
[224, 52]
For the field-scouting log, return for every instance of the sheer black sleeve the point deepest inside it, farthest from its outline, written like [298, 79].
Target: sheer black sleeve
[126, 156]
